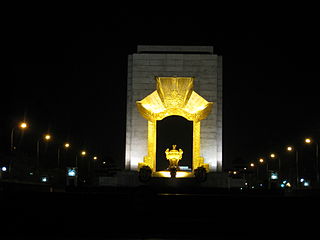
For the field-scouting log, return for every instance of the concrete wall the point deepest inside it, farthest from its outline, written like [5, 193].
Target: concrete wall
[166, 61]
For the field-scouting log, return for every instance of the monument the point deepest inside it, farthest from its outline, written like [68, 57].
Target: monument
[174, 97]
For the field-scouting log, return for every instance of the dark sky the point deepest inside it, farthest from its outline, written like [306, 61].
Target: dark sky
[66, 72]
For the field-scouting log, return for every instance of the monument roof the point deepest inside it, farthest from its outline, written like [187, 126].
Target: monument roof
[174, 49]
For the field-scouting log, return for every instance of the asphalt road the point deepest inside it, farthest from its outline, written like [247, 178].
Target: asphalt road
[146, 213]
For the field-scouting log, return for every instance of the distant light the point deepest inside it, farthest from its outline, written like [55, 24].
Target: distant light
[252, 187]
[302, 180]
[4, 169]
[284, 182]
[23, 125]
[307, 140]
[251, 164]
[289, 148]
[71, 172]
[83, 153]
[288, 184]
[261, 185]
[245, 183]
[31, 173]
[47, 137]
[274, 175]
[306, 184]
[282, 185]
[261, 160]
[103, 162]
[234, 172]
[272, 155]
[95, 158]
[67, 145]
[44, 179]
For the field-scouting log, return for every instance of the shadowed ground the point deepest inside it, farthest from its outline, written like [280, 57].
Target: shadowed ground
[157, 213]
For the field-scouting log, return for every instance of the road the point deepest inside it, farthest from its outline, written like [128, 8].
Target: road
[144, 213]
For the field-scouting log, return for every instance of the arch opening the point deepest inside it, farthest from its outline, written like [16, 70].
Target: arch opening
[174, 130]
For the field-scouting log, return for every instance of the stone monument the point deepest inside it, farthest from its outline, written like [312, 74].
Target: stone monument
[165, 81]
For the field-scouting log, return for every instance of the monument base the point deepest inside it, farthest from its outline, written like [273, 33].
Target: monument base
[131, 179]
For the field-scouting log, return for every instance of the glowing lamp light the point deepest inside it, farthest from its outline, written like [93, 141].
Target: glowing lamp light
[44, 179]
[4, 169]
[95, 158]
[23, 125]
[67, 145]
[272, 155]
[289, 148]
[261, 160]
[307, 140]
[47, 137]
[251, 164]
[83, 153]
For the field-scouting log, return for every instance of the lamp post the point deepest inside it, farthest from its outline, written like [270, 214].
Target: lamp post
[22, 126]
[82, 154]
[310, 141]
[66, 147]
[252, 165]
[274, 156]
[262, 161]
[291, 149]
[47, 138]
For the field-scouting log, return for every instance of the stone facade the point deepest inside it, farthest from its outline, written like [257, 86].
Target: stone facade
[181, 61]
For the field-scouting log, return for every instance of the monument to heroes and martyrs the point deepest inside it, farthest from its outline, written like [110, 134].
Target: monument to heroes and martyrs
[168, 81]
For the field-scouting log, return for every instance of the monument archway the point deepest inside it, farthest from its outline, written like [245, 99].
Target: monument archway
[173, 96]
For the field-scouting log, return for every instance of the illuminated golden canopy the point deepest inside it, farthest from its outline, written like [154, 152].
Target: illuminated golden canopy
[174, 96]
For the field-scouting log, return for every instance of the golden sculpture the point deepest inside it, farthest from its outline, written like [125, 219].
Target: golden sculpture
[174, 156]
[173, 96]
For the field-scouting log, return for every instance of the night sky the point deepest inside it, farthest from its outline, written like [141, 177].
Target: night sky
[66, 73]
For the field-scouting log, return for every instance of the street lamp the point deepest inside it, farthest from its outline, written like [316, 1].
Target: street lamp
[46, 137]
[291, 149]
[22, 126]
[274, 156]
[310, 141]
[307, 140]
[83, 153]
[66, 147]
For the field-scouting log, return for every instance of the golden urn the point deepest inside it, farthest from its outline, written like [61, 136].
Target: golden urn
[174, 156]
